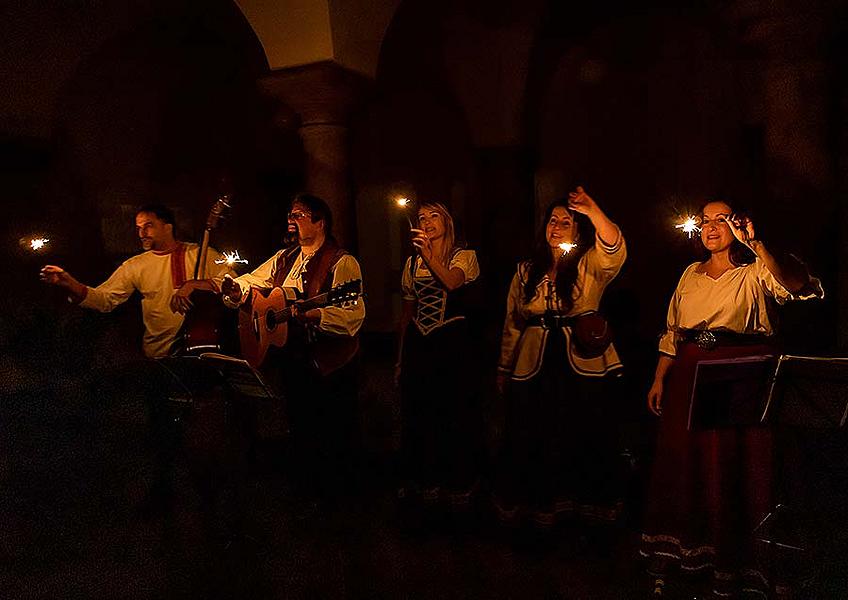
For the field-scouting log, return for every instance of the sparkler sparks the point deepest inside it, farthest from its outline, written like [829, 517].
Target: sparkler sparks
[38, 243]
[566, 248]
[689, 226]
[231, 258]
[404, 203]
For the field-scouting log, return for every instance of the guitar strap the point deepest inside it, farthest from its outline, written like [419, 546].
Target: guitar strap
[284, 265]
[328, 352]
[317, 275]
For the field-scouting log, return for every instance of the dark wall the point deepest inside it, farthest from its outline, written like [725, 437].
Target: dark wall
[166, 110]
[654, 111]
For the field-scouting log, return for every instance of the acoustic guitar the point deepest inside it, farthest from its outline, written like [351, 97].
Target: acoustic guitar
[263, 322]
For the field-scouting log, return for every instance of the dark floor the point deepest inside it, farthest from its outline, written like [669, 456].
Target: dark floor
[76, 465]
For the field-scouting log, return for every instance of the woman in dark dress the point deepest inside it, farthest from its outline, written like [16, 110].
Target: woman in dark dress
[559, 455]
[440, 410]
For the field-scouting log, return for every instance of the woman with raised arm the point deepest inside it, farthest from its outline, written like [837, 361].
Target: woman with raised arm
[710, 487]
[440, 410]
[559, 454]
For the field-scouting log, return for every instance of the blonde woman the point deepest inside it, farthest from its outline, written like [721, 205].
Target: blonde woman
[439, 407]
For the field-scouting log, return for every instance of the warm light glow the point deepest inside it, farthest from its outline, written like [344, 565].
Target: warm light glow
[689, 226]
[231, 258]
[38, 243]
[404, 203]
[566, 247]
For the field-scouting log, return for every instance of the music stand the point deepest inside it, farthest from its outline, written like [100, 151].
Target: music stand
[187, 376]
[812, 393]
[730, 392]
[809, 391]
[191, 375]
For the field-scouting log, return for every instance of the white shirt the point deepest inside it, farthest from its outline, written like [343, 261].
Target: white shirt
[738, 301]
[522, 346]
[150, 274]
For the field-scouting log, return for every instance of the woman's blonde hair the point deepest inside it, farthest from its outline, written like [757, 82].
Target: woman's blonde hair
[449, 237]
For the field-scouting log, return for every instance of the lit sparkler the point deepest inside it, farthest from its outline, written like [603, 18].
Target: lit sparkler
[566, 248]
[38, 243]
[689, 226]
[231, 258]
[404, 203]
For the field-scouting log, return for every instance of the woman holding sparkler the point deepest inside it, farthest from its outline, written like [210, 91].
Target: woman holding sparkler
[560, 453]
[441, 417]
[709, 488]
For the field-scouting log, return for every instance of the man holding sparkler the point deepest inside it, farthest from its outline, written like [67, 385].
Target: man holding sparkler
[159, 274]
[559, 454]
[321, 402]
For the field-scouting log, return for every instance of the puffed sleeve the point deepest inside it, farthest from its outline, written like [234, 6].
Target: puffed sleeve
[513, 324]
[406, 286]
[671, 337]
[775, 289]
[466, 261]
[112, 292]
[605, 259]
[346, 319]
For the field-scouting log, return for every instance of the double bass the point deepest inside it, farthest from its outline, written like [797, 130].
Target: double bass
[209, 326]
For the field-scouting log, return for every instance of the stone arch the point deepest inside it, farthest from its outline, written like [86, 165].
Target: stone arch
[177, 110]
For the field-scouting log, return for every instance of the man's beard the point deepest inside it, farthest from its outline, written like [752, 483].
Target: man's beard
[292, 236]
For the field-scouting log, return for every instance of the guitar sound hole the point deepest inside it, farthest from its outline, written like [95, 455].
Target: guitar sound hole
[270, 320]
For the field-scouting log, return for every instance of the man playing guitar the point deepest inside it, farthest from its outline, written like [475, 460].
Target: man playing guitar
[315, 370]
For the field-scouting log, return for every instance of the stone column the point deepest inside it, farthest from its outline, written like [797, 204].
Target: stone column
[323, 95]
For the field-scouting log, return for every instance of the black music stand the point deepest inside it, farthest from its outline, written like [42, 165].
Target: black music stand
[205, 375]
[811, 393]
[730, 392]
[188, 376]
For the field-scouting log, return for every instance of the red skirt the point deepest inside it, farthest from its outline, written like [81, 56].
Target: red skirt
[708, 489]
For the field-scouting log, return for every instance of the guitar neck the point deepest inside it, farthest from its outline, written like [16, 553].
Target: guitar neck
[314, 302]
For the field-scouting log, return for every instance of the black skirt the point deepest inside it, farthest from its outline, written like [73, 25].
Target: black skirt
[441, 412]
[560, 453]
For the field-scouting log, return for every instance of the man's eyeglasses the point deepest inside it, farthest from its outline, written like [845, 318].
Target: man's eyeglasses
[297, 215]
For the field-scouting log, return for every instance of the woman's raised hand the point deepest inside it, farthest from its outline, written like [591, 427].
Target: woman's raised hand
[581, 202]
[742, 228]
[423, 243]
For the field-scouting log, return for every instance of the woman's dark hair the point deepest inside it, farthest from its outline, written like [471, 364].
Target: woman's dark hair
[740, 254]
[320, 211]
[566, 268]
